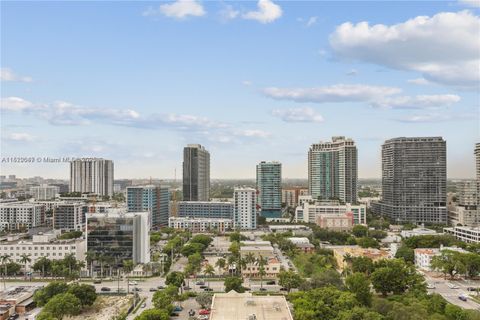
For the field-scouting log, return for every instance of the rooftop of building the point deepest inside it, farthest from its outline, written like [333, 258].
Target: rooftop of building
[256, 248]
[415, 139]
[116, 213]
[245, 306]
[17, 294]
[191, 219]
[255, 243]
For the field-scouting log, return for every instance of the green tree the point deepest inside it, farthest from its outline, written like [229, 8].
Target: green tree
[234, 283]
[204, 299]
[448, 262]
[84, 292]
[25, 259]
[63, 304]
[221, 264]
[163, 301]
[209, 271]
[192, 248]
[329, 277]
[175, 278]
[153, 314]
[42, 264]
[359, 284]
[360, 231]
[367, 242]
[4, 260]
[289, 280]
[42, 296]
[405, 253]
[362, 264]
[262, 262]
[43, 315]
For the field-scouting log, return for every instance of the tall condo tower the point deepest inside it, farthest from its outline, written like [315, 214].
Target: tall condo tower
[332, 170]
[414, 180]
[92, 176]
[196, 173]
[269, 186]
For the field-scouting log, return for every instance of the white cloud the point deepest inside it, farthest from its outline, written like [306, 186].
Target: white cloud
[228, 13]
[7, 74]
[19, 137]
[419, 81]
[179, 9]
[443, 48]
[435, 117]
[311, 21]
[471, 3]
[334, 93]
[417, 102]
[247, 83]
[16, 104]
[252, 133]
[267, 12]
[305, 114]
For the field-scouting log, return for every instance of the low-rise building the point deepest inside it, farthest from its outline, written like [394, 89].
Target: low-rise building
[465, 234]
[311, 209]
[18, 299]
[423, 256]
[245, 306]
[205, 209]
[303, 244]
[340, 252]
[42, 245]
[257, 251]
[201, 224]
[296, 229]
[335, 222]
[419, 232]
[272, 269]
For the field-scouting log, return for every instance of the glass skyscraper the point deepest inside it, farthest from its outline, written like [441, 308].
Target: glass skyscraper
[332, 170]
[269, 186]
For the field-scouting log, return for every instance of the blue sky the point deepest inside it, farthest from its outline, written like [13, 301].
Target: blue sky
[252, 81]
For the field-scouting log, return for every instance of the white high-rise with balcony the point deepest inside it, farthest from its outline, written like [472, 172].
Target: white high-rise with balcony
[245, 208]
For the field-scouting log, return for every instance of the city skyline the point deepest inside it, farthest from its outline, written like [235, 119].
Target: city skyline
[220, 75]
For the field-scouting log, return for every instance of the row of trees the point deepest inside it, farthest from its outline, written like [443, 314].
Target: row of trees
[68, 267]
[453, 262]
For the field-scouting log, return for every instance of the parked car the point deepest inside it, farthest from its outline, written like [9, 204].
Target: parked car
[204, 317]
[160, 287]
[174, 314]
[208, 289]
[153, 289]
[283, 289]
[462, 297]
[132, 283]
[472, 289]
[144, 305]
[200, 283]
[191, 313]
[271, 282]
[203, 286]
[187, 288]
[177, 309]
[430, 286]
[136, 289]
[97, 281]
[263, 289]
[452, 286]
[204, 312]
[105, 289]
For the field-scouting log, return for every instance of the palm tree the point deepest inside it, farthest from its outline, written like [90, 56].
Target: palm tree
[91, 256]
[43, 261]
[127, 268]
[261, 268]
[250, 259]
[5, 259]
[209, 271]
[25, 258]
[220, 264]
[102, 259]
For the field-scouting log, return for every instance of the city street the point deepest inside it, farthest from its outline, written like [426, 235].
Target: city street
[451, 295]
